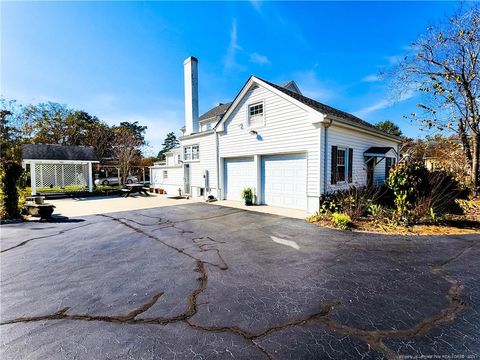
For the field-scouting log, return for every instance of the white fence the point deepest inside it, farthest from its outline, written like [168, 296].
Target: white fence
[61, 175]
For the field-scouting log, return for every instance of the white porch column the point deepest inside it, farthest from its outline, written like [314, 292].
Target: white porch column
[257, 164]
[33, 179]
[90, 177]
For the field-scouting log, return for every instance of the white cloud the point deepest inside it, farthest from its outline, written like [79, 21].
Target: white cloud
[372, 78]
[259, 59]
[233, 48]
[256, 5]
[383, 104]
[394, 59]
[312, 87]
[158, 125]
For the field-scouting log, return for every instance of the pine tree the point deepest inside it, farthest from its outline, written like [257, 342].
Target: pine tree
[169, 143]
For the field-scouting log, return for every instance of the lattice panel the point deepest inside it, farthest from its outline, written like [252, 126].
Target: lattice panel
[61, 175]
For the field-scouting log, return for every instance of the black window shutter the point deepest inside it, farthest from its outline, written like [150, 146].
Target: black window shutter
[350, 164]
[388, 165]
[333, 171]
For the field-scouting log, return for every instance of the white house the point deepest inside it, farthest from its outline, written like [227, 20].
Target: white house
[288, 148]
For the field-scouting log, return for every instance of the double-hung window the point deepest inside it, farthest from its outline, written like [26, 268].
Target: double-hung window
[187, 153]
[191, 152]
[342, 165]
[165, 174]
[255, 115]
[195, 152]
[341, 162]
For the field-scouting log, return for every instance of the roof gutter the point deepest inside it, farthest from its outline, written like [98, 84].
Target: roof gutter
[357, 126]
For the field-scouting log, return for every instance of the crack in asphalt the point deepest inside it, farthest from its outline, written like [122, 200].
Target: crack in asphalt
[222, 266]
[373, 338]
[42, 237]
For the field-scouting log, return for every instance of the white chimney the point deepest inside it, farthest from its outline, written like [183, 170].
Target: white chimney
[190, 68]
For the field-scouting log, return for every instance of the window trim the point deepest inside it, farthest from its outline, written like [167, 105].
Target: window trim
[188, 150]
[261, 102]
[345, 161]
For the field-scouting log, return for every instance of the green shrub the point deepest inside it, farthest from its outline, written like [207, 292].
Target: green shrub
[247, 193]
[11, 173]
[422, 195]
[353, 201]
[376, 211]
[342, 221]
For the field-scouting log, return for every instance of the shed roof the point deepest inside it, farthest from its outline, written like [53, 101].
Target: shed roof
[58, 152]
[378, 150]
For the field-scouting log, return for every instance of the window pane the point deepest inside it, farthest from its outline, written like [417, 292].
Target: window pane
[341, 157]
[256, 109]
[340, 165]
[195, 152]
[341, 173]
[187, 153]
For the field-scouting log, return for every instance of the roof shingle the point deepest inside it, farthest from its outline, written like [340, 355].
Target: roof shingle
[218, 110]
[58, 152]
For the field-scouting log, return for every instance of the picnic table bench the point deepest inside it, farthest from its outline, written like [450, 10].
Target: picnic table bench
[134, 189]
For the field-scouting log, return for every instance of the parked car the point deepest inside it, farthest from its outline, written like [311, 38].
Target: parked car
[114, 181]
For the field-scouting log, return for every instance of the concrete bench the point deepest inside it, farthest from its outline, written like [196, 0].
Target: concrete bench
[43, 211]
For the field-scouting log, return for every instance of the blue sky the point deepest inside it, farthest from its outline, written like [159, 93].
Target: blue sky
[123, 61]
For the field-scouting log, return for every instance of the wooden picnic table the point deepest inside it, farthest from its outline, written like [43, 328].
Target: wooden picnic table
[134, 188]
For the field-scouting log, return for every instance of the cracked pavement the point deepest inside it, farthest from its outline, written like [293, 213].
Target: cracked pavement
[207, 282]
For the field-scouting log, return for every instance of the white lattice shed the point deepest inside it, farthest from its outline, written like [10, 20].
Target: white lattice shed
[61, 166]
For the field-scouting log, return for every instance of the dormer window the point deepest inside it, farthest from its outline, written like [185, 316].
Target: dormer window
[255, 115]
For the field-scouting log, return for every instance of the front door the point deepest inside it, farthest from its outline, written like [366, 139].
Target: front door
[186, 179]
[370, 167]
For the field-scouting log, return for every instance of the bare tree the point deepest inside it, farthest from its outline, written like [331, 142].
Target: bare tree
[445, 67]
[101, 137]
[126, 149]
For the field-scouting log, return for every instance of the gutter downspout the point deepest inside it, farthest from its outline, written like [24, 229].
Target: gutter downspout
[217, 154]
[325, 154]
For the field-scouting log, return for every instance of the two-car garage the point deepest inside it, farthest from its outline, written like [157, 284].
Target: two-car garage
[283, 179]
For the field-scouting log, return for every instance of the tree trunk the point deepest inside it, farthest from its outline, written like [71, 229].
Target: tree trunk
[475, 164]
[465, 144]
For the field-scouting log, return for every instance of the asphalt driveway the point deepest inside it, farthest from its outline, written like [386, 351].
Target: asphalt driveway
[208, 282]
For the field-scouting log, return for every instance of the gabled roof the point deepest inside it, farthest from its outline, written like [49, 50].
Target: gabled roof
[292, 86]
[58, 152]
[218, 110]
[328, 110]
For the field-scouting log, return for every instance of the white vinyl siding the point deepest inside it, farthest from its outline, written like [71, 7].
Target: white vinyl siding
[172, 182]
[288, 129]
[359, 142]
[207, 161]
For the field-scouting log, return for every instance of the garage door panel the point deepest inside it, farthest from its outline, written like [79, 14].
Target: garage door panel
[284, 181]
[239, 174]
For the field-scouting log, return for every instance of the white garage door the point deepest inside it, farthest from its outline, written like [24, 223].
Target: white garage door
[284, 181]
[239, 174]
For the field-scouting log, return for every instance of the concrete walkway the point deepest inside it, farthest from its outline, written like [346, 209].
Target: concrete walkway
[265, 209]
[111, 204]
